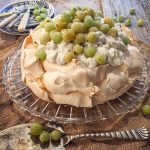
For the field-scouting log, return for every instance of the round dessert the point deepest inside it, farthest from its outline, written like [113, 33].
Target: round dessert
[79, 59]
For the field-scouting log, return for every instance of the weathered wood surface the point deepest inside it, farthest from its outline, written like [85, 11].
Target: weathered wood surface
[121, 7]
[11, 114]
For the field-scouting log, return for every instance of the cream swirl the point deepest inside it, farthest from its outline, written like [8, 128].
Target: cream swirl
[115, 57]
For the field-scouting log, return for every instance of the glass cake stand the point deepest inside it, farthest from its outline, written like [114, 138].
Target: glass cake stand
[50, 111]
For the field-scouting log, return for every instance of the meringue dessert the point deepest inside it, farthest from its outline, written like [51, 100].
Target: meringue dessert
[79, 58]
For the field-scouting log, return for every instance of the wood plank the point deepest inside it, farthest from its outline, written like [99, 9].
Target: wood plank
[121, 7]
[65, 4]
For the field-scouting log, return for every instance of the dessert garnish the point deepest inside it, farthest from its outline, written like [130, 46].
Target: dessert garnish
[82, 30]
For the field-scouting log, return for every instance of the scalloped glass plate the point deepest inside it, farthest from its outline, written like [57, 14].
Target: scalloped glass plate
[24, 97]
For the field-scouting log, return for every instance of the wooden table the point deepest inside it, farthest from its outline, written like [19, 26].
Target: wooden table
[11, 114]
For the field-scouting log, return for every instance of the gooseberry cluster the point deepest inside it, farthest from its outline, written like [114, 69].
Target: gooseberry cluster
[39, 14]
[37, 129]
[78, 26]
[127, 21]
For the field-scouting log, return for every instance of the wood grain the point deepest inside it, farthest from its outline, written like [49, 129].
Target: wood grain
[121, 7]
[11, 114]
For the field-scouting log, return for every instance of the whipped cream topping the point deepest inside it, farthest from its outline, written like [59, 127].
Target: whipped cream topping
[105, 45]
[115, 57]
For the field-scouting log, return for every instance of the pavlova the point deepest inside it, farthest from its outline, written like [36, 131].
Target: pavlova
[80, 59]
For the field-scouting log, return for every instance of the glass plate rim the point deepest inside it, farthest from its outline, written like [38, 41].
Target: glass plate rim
[65, 120]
